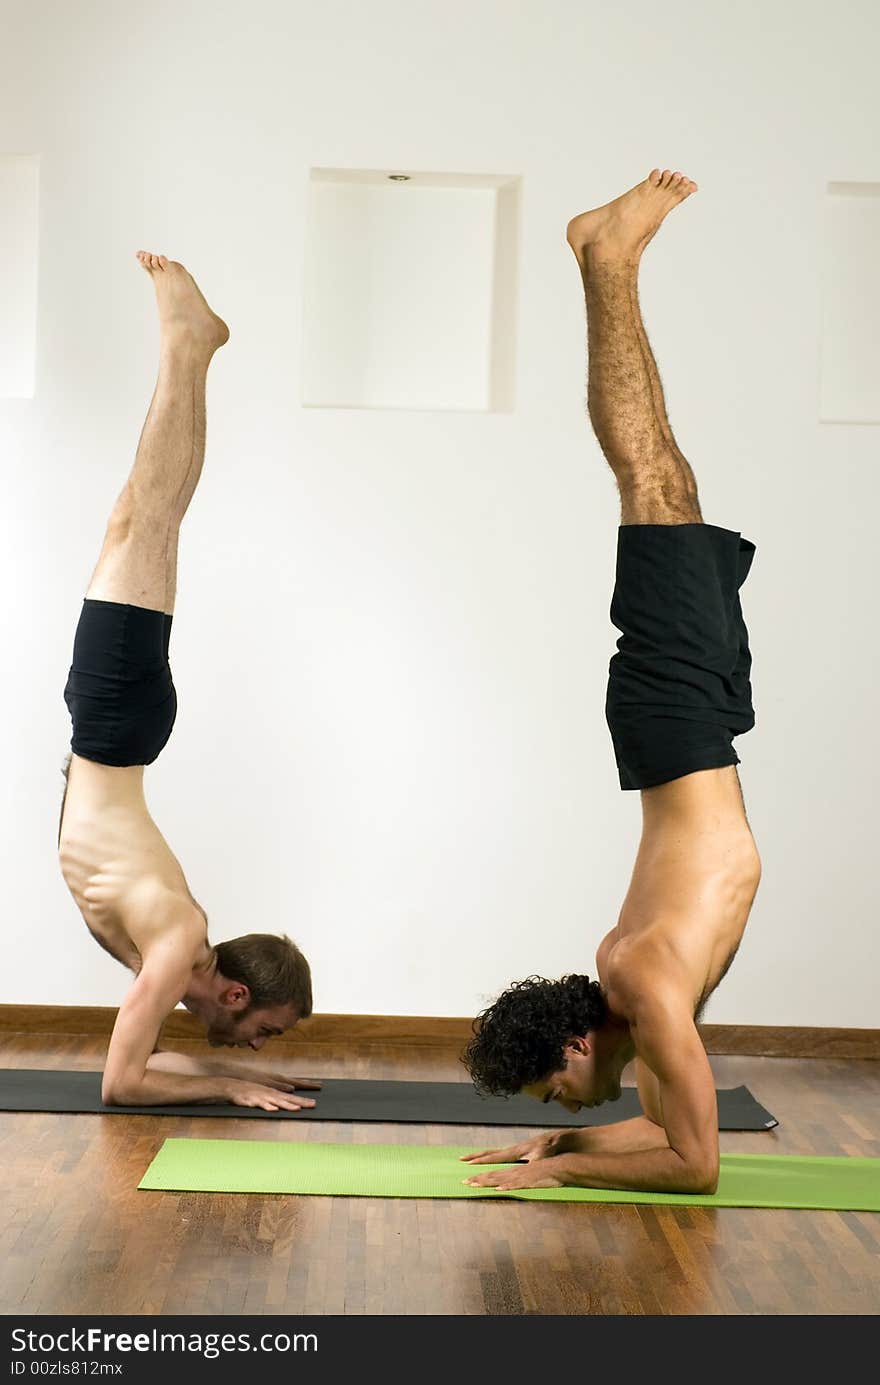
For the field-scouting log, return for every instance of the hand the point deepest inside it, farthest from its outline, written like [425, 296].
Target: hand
[245, 1093]
[537, 1174]
[542, 1146]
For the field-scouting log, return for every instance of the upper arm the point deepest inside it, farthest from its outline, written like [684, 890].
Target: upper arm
[161, 983]
[678, 1077]
[649, 1092]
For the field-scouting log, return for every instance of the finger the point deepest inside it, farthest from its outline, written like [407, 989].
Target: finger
[306, 1086]
[511, 1155]
[280, 1079]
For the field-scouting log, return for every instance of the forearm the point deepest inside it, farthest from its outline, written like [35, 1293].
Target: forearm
[622, 1137]
[168, 1089]
[186, 1066]
[643, 1170]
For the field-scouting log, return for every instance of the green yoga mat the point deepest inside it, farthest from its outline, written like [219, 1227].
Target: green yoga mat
[256, 1166]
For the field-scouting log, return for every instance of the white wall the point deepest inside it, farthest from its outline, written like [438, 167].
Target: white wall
[392, 632]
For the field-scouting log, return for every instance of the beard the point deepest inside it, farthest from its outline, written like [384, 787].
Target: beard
[222, 1032]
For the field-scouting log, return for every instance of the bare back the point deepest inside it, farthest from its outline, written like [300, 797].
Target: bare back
[114, 858]
[692, 887]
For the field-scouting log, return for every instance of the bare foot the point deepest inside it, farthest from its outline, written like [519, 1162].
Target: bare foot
[622, 228]
[184, 316]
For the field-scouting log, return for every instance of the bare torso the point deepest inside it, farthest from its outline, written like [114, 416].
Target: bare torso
[115, 860]
[692, 886]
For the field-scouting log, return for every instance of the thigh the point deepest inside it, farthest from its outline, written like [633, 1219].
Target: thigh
[133, 565]
[658, 494]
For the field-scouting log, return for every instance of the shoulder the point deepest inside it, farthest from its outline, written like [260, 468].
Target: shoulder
[154, 914]
[604, 951]
[643, 973]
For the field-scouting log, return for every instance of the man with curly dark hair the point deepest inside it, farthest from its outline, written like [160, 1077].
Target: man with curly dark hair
[678, 693]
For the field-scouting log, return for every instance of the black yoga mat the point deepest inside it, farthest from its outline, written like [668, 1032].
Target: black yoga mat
[342, 1099]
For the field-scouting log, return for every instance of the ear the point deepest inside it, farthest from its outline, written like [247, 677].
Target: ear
[579, 1044]
[235, 996]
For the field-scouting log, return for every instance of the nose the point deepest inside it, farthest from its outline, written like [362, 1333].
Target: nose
[257, 1044]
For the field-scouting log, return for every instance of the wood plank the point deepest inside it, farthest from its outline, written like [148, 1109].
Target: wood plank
[432, 1031]
[771, 1041]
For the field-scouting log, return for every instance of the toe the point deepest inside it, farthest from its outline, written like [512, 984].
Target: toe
[665, 178]
[654, 177]
[163, 261]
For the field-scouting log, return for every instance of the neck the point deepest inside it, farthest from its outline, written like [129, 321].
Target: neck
[202, 985]
[615, 1044]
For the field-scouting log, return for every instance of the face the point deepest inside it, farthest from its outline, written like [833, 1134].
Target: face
[581, 1081]
[232, 1029]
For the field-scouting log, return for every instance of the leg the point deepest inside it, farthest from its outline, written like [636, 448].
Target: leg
[138, 562]
[657, 487]
[625, 396]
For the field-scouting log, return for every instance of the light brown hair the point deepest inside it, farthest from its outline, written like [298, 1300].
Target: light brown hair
[273, 969]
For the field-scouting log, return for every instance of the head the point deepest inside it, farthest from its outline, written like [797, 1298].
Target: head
[550, 1039]
[262, 985]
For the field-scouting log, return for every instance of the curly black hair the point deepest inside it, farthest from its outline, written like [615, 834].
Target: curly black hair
[521, 1038]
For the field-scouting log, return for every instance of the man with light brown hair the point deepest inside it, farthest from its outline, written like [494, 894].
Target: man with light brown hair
[126, 881]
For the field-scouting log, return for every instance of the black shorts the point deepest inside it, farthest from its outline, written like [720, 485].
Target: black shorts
[678, 688]
[119, 691]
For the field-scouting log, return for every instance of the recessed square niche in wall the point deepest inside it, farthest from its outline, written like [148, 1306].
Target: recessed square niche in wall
[410, 290]
[19, 187]
[849, 389]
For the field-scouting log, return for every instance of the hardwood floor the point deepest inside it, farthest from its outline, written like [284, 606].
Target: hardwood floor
[76, 1237]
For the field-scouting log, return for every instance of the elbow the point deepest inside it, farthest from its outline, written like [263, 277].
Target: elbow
[703, 1178]
[697, 1173]
[117, 1093]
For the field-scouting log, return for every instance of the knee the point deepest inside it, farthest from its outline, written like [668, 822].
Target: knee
[643, 466]
[138, 513]
[121, 521]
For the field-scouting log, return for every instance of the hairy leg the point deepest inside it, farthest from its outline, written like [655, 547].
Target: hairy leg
[628, 412]
[138, 562]
[625, 395]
